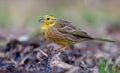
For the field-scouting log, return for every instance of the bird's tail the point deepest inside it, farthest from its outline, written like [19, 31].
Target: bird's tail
[100, 39]
[106, 40]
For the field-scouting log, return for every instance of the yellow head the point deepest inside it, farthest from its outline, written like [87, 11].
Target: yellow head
[47, 20]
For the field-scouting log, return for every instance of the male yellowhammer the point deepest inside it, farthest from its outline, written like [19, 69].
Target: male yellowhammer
[63, 32]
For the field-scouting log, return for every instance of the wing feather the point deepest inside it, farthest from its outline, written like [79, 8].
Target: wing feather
[66, 27]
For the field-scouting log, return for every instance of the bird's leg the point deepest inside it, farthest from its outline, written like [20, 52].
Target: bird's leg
[60, 49]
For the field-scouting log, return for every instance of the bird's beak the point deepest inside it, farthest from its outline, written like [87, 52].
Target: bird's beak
[41, 20]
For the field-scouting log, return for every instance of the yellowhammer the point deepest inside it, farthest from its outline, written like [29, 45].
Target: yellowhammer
[63, 32]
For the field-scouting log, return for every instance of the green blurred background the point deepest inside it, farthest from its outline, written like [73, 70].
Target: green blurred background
[19, 17]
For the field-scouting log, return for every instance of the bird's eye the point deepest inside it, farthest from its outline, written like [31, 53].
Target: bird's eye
[48, 18]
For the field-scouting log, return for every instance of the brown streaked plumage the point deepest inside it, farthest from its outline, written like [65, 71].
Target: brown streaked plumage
[63, 32]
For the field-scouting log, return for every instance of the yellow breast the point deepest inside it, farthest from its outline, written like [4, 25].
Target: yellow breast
[54, 36]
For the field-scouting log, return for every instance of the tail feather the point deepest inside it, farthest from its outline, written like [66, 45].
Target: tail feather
[99, 39]
[106, 40]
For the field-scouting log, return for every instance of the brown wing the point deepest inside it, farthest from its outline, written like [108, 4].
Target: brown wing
[66, 27]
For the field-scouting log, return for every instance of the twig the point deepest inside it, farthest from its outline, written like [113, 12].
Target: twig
[43, 52]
